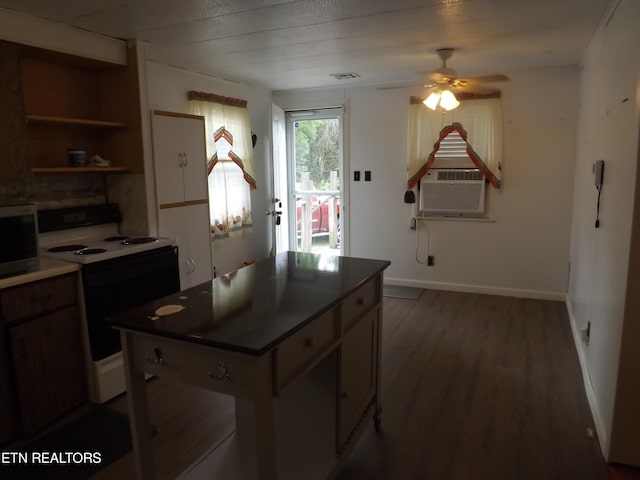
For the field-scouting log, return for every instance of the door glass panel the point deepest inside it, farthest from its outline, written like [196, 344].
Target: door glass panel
[315, 180]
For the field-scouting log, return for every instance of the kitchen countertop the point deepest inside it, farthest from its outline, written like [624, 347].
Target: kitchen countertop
[47, 269]
[254, 308]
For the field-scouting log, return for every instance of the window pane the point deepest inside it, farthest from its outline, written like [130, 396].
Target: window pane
[317, 151]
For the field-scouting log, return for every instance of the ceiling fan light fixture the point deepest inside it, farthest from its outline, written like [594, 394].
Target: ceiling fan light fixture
[441, 99]
[448, 100]
[432, 100]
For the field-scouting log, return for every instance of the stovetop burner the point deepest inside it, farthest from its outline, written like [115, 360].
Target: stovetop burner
[91, 251]
[138, 240]
[66, 248]
[116, 238]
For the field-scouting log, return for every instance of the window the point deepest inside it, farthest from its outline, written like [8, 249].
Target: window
[475, 126]
[229, 160]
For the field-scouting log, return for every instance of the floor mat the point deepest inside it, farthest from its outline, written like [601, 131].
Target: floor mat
[397, 291]
[73, 452]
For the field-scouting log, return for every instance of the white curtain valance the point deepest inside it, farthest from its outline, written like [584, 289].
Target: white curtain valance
[229, 161]
[228, 117]
[479, 121]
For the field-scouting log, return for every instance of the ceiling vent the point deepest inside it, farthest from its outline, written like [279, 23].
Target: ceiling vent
[344, 76]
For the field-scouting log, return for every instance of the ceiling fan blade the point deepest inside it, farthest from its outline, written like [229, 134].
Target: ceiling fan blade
[484, 79]
[476, 89]
[394, 87]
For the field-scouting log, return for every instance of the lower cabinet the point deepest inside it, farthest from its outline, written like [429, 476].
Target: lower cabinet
[8, 413]
[358, 374]
[48, 364]
[42, 364]
[190, 226]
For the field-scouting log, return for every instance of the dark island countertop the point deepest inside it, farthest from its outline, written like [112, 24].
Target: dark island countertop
[254, 308]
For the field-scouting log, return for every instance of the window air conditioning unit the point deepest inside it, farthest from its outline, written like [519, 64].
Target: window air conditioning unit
[452, 192]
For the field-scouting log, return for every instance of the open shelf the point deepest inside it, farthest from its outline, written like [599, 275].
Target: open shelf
[80, 122]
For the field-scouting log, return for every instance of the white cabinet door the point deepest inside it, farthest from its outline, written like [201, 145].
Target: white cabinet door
[167, 160]
[199, 228]
[179, 158]
[357, 374]
[195, 158]
[190, 227]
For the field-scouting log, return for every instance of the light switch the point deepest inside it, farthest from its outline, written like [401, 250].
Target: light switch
[356, 175]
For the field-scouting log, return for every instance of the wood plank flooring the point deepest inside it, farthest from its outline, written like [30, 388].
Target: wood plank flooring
[474, 387]
[479, 387]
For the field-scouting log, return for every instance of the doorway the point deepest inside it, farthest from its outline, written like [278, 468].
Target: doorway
[315, 181]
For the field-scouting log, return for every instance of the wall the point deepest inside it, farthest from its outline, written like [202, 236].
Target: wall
[599, 292]
[167, 90]
[524, 250]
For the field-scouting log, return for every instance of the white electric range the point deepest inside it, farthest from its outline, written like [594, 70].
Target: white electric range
[117, 272]
[95, 243]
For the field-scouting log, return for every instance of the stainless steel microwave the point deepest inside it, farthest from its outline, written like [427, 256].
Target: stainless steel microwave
[18, 238]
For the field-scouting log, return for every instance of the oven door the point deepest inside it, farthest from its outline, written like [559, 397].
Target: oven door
[122, 283]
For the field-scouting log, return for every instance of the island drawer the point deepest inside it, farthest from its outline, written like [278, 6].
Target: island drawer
[359, 303]
[302, 350]
[33, 299]
[202, 366]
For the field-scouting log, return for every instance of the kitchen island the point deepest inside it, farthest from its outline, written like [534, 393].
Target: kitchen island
[294, 338]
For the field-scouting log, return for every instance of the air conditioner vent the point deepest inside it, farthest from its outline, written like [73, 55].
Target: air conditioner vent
[345, 76]
[452, 192]
[459, 175]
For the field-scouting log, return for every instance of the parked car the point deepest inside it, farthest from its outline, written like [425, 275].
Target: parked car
[319, 215]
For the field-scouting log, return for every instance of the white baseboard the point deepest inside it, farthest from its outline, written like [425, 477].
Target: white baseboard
[603, 434]
[461, 287]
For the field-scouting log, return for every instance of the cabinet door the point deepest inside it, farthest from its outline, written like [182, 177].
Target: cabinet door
[168, 160]
[190, 227]
[8, 415]
[49, 367]
[195, 156]
[357, 374]
[199, 228]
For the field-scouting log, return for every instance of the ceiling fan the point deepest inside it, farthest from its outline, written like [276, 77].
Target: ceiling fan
[444, 84]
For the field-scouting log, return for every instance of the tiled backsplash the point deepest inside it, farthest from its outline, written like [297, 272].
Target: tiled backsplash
[55, 191]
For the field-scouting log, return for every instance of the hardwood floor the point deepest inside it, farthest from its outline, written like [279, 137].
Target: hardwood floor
[190, 421]
[474, 387]
[479, 387]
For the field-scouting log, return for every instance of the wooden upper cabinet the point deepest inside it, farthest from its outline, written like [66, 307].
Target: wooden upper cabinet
[77, 103]
[12, 115]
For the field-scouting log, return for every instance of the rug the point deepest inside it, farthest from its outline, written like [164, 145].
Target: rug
[73, 452]
[397, 291]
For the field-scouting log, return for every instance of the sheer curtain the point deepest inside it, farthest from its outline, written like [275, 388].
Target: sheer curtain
[479, 122]
[229, 160]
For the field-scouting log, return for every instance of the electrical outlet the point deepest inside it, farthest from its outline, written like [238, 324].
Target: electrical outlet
[431, 261]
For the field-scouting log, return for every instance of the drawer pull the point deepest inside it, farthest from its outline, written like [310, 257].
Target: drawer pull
[310, 342]
[360, 301]
[159, 358]
[222, 374]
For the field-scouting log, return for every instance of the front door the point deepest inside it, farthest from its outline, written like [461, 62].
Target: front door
[316, 181]
[279, 207]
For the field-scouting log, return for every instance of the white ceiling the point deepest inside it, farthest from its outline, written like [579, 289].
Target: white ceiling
[291, 44]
